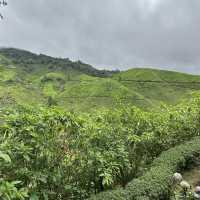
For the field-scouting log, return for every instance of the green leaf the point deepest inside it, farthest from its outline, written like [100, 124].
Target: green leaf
[34, 197]
[16, 182]
[5, 157]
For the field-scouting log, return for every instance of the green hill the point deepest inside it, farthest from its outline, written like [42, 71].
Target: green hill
[28, 78]
[159, 85]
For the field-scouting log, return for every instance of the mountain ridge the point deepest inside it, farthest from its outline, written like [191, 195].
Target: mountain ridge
[3, 50]
[19, 56]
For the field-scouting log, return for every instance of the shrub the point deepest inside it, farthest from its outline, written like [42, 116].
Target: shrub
[157, 182]
[59, 155]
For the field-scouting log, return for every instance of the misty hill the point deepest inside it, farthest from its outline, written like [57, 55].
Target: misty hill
[39, 79]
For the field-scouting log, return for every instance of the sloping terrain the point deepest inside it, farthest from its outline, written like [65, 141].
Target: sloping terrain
[27, 78]
[159, 85]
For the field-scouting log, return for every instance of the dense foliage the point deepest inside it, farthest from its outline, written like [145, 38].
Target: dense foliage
[157, 183]
[51, 154]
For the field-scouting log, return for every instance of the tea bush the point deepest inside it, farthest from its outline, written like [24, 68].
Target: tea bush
[156, 183]
[46, 153]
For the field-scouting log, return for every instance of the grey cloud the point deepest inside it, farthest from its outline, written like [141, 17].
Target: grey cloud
[108, 33]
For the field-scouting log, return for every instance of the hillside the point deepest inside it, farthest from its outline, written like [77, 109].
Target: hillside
[159, 85]
[27, 78]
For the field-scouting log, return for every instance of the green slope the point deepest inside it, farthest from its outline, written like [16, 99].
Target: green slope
[156, 75]
[159, 85]
[27, 78]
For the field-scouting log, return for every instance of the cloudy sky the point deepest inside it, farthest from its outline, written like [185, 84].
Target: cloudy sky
[108, 33]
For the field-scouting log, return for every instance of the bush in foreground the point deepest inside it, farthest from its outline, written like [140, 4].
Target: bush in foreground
[57, 155]
[157, 182]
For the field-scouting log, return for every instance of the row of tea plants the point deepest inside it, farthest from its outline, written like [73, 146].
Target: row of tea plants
[47, 153]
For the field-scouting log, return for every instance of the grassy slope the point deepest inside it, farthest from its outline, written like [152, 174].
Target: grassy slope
[169, 87]
[33, 83]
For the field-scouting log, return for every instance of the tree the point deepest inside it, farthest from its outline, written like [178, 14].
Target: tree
[2, 3]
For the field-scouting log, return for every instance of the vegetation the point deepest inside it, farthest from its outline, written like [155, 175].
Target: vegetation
[157, 182]
[51, 154]
[121, 150]
[80, 87]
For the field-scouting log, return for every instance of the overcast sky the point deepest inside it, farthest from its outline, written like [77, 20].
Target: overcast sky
[108, 33]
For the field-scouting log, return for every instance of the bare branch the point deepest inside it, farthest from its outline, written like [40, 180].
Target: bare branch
[3, 3]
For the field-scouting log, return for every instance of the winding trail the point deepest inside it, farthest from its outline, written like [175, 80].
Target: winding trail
[192, 176]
